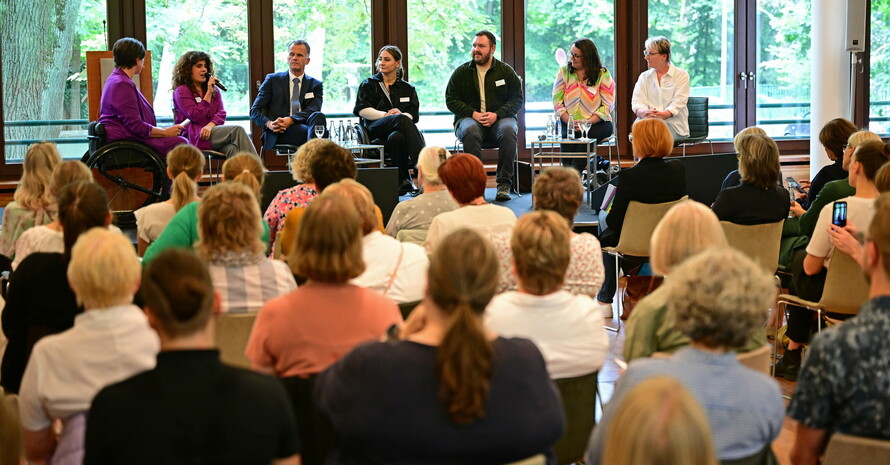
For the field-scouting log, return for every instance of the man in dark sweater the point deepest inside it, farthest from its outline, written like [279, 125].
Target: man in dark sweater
[485, 95]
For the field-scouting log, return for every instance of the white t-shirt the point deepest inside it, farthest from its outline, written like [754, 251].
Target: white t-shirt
[860, 211]
[152, 219]
[480, 73]
[381, 254]
[486, 219]
[566, 328]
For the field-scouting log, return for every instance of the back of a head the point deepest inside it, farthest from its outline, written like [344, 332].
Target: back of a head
[182, 306]
[33, 191]
[882, 178]
[247, 169]
[429, 160]
[872, 155]
[185, 163]
[464, 176]
[879, 229]
[461, 285]
[330, 164]
[651, 139]
[83, 205]
[104, 270]
[328, 247]
[659, 422]
[688, 228]
[300, 161]
[858, 137]
[835, 134]
[758, 160]
[745, 132]
[541, 244]
[361, 199]
[68, 172]
[559, 189]
[719, 297]
[229, 220]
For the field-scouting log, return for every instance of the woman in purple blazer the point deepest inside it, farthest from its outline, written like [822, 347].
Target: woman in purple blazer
[124, 111]
[197, 98]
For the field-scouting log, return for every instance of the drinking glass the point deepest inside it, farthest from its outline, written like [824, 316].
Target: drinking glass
[585, 126]
[319, 131]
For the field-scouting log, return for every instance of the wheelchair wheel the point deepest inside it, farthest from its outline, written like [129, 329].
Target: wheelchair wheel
[132, 174]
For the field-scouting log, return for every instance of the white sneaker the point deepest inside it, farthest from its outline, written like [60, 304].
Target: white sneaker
[605, 309]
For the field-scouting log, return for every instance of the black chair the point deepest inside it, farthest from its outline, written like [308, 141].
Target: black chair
[317, 435]
[579, 404]
[407, 307]
[698, 124]
[214, 161]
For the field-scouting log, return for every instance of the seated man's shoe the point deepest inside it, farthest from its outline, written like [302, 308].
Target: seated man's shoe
[602, 164]
[407, 187]
[503, 193]
[789, 366]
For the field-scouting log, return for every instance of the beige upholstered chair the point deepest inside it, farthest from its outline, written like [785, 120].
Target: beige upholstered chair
[416, 236]
[844, 449]
[533, 460]
[757, 360]
[232, 332]
[579, 404]
[759, 242]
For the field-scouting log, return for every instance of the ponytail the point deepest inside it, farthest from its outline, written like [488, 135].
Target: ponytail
[185, 189]
[185, 163]
[247, 169]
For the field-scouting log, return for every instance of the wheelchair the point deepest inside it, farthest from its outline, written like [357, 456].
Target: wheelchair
[132, 174]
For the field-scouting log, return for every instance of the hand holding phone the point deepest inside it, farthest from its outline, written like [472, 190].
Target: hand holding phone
[792, 184]
[839, 214]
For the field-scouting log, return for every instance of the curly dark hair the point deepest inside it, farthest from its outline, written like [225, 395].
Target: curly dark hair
[593, 64]
[182, 72]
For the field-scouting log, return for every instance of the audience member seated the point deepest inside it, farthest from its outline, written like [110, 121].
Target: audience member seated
[659, 422]
[229, 227]
[48, 237]
[190, 408]
[67, 370]
[304, 332]
[489, 115]
[451, 391]
[465, 178]
[33, 203]
[288, 104]
[718, 298]
[565, 327]
[809, 268]
[758, 199]
[651, 180]
[734, 178]
[40, 301]
[125, 112]
[687, 229]
[847, 239]
[559, 190]
[197, 99]
[182, 230]
[185, 166]
[662, 91]
[392, 269]
[833, 136]
[418, 213]
[298, 196]
[842, 386]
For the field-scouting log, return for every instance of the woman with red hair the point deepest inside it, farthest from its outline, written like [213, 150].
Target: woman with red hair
[465, 178]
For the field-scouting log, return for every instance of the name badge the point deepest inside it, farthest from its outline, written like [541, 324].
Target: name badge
[198, 99]
[309, 95]
[500, 82]
[404, 99]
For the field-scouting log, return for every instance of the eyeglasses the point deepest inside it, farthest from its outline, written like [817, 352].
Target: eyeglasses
[578, 56]
[647, 53]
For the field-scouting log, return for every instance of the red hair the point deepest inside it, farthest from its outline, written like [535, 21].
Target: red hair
[464, 176]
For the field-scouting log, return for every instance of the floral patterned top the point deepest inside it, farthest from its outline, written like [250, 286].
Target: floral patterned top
[285, 201]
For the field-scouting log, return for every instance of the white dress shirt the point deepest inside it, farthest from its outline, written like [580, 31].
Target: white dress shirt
[671, 95]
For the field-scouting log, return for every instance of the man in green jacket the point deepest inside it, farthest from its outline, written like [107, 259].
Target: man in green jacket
[490, 115]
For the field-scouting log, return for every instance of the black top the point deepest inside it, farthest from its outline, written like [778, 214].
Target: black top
[383, 400]
[503, 91]
[651, 180]
[401, 95]
[828, 173]
[748, 204]
[39, 303]
[191, 409]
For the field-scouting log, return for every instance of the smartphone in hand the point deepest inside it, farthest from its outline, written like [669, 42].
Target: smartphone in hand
[839, 214]
[792, 184]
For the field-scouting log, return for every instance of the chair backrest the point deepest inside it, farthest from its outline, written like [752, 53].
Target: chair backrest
[764, 457]
[232, 331]
[844, 449]
[416, 236]
[317, 436]
[757, 359]
[407, 307]
[640, 221]
[760, 241]
[845, 287]
[579, 404]
[698, 118]
[533, 460]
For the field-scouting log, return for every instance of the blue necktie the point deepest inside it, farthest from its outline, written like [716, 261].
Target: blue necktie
[295, 98]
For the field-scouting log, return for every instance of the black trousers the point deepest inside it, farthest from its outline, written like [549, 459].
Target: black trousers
[598, 131]
[299, 133]
[802, 323]
[401, 139]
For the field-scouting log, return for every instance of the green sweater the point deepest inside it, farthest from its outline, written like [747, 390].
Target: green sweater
[503, 91]
[804, 226]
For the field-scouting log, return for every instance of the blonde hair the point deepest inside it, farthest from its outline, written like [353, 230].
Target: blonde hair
[229, 220]
[758, 160]
[300, 161]
[661, 44]
[858, 137]
[328, 247]
[247, 169]
[541, 246]
[652, 138]
[659, 422]
[185, 163]
[95, 253]
[361, 199]
[746, 132]
[33, 191]
[429, 160]
[688, 228]
[882, 178]
[69, 172]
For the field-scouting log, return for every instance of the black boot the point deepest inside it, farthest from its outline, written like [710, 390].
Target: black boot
[789, 366]
[407, 187]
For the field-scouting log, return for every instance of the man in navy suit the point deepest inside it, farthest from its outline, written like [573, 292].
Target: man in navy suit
[288, 105]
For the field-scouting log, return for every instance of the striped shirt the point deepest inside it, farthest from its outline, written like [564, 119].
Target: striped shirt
[580, 100]
[247, 288]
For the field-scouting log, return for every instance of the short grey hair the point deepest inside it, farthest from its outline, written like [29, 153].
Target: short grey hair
[719, 297]
[661, 44]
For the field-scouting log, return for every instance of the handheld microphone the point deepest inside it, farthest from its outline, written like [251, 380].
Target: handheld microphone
[218, 84]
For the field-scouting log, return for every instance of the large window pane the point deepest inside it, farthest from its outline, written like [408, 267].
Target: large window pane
[783, 68]
[553, 25]
[702, 35]
[440, 34]
[44, 72]
[879, 114]
[339, 35]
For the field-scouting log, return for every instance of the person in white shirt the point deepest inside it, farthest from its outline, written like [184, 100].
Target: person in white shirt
[393, 269]
[662, 91]
[566, 327]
